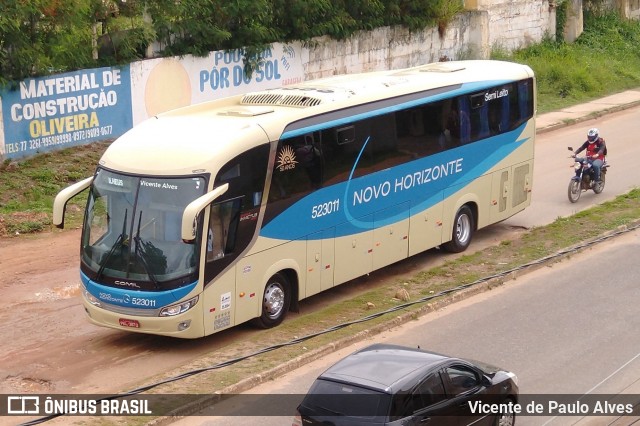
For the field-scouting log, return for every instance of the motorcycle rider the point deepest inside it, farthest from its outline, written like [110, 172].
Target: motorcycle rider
[596, 149]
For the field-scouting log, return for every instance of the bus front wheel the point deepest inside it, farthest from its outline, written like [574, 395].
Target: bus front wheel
[275, 301]
[463, 227]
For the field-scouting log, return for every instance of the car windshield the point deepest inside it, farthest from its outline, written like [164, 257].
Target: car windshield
[328, 398]
[132, 230]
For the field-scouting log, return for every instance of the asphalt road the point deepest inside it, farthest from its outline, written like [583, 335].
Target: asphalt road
[567, 329]
[553, 167]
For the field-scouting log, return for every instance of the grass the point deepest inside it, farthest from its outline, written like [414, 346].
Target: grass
[31, 185]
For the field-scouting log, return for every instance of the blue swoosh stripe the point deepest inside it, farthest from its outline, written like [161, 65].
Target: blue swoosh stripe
[373, 200]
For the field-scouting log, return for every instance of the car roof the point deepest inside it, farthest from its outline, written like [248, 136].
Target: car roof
[386, 368]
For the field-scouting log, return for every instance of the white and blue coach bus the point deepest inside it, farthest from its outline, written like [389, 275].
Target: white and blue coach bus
[233, 210]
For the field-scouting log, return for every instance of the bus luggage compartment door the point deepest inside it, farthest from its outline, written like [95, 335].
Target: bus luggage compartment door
[391, 240]
[320, 261]
[354, 250]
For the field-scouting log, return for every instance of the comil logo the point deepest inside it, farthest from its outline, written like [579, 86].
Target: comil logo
[286, 159]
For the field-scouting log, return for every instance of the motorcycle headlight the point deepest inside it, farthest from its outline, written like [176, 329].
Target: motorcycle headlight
[577, 165]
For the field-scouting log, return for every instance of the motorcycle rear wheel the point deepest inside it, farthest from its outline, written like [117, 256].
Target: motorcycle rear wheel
[598, 187]
[574, 190]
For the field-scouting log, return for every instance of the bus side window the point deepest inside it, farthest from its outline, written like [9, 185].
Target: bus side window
[524, 109]
[297, 169]
[457, 126]
[479, 117]
[310, 157]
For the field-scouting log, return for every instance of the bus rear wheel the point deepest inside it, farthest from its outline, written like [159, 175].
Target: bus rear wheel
[275, 301]
[463, 227]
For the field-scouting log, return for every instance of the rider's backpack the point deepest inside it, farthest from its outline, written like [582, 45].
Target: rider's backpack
[605, 146]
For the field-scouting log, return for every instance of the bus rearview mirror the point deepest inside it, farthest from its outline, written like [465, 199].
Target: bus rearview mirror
[60, 202]
[194, 208]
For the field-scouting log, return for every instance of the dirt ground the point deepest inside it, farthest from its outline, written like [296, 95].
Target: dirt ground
[50, 347]
[48, 344]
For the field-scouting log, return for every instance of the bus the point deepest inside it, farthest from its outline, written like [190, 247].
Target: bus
[234, 210]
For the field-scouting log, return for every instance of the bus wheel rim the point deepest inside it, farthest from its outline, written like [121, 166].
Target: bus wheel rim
[274, 300]
[463, 228]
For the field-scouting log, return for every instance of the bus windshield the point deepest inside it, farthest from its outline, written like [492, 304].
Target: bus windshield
[131, 234]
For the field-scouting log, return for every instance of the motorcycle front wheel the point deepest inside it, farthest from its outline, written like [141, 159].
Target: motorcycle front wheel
[599, 187]
[574, 190]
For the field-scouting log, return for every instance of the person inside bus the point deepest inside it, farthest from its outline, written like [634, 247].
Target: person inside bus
[495, 121]
[457, 126]
[308, 154]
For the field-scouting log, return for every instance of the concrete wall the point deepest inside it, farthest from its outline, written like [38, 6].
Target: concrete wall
[484, 25]
[394, 48]
[514, 24]
[629, 9]
[575, 24]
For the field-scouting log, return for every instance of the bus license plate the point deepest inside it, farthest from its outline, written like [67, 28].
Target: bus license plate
[129, 323]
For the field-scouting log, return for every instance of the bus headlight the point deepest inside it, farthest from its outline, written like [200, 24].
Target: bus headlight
[179, 308]
[92, 299]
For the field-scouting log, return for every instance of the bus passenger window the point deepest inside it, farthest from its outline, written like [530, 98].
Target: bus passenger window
[309, 156]
[457, 126]
[298, 168]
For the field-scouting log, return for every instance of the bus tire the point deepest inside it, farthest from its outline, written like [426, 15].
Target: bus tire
[463, 227]
[275, 301]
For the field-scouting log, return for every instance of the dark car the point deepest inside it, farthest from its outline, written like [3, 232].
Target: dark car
[395, 385]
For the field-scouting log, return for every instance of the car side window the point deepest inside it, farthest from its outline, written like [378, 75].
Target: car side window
[428, 393]
[462, 379]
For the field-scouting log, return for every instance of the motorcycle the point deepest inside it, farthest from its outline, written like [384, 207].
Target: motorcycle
[584, 178]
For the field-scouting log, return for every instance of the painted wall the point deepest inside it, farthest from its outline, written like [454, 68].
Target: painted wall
[64, 110]
[158, 85]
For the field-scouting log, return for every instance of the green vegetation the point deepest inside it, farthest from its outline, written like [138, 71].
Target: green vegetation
[604, 60]
[42, 37]
[29, 187]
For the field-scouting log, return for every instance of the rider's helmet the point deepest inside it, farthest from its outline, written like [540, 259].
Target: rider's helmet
[592, 135]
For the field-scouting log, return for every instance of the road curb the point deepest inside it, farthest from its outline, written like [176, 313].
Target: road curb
[274, 373]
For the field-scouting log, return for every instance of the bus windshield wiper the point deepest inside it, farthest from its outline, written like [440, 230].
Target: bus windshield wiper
[122, 240]
[141, 253]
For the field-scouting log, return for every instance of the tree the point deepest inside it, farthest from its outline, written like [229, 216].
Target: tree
[41, 37]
